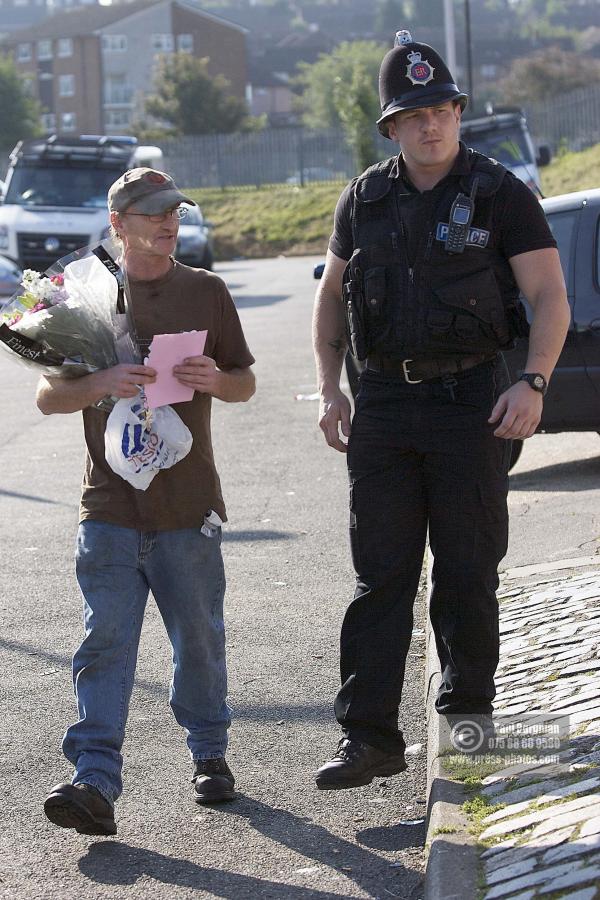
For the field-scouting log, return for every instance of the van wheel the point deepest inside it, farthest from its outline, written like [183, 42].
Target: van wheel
[517, 447]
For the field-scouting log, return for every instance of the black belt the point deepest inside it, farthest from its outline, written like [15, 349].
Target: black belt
[416, 370]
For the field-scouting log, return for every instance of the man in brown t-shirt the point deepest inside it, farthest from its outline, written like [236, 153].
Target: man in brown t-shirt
[165, 539]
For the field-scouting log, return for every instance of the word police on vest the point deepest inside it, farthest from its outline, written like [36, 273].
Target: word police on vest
[476, 237]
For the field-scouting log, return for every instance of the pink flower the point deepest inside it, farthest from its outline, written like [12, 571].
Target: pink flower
[58, 280]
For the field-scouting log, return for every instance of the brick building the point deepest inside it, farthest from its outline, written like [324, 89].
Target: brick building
[92, 67]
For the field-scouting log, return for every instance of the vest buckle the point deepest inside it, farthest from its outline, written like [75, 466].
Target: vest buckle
[407, 377]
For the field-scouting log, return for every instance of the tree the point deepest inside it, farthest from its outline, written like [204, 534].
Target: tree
[20, 112]
[340, 91]
[390, 17]
[424, 13]
[354, 104]
[547, 73]
[191, 101]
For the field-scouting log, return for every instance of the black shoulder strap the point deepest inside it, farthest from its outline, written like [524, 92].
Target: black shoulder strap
[489, 173]
[106, 259]
[374, 184]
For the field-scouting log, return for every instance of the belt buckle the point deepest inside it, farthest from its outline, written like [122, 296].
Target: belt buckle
[407, 377]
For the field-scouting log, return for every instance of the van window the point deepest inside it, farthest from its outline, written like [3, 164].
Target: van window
[508, 145]
[562, 225]
[598, 253]
[60, 186]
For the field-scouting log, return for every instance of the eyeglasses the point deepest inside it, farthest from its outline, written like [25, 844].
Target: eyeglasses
[180, 212]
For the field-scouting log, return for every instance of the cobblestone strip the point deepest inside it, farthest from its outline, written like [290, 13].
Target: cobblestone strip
[543, 841]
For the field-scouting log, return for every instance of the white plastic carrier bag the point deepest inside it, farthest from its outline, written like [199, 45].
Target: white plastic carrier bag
[139, 442]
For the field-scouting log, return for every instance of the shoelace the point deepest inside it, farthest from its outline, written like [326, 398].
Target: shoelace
[347, 749]
[209, 767]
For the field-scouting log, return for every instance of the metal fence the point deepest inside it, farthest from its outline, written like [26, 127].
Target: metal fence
[569, 121]
[292, 155]
[298, 156]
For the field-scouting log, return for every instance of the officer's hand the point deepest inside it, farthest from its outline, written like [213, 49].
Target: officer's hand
[334, 409]
[518, 411]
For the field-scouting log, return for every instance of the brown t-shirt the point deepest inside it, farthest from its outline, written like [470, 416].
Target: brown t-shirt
[184, 299]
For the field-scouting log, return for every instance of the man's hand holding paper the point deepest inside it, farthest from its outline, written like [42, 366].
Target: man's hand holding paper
[169, 355]
[199, 373]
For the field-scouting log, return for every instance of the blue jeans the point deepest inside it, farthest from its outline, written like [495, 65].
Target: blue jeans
[116, 569]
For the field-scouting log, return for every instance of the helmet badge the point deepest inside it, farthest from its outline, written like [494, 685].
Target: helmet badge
[418, 70]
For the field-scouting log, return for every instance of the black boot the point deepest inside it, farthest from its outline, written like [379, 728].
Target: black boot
[356, 764]
[82, 807]
[213, 781]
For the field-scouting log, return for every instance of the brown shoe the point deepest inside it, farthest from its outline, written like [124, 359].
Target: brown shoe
[356, 764]
[213, 781]
[82, 807]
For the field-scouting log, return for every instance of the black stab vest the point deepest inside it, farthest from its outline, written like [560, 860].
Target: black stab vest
[443, 304]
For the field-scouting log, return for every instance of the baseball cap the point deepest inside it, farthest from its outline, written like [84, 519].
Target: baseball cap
[152, 191]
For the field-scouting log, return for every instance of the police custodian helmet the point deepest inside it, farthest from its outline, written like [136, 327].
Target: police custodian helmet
[413, 76]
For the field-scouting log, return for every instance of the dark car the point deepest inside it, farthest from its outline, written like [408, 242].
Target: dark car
[10, 279]
[573, 399]
[195, 240]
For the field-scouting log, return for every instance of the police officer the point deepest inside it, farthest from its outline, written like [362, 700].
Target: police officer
[429, 251]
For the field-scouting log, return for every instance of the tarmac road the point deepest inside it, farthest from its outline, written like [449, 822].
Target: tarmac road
[289, 580]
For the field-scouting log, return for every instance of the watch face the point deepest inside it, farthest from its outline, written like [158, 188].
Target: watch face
[539, 382]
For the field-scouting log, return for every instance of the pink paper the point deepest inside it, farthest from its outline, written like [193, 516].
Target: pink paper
[166, 351]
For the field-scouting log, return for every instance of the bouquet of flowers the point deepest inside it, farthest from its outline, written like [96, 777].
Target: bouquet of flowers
[72, 319]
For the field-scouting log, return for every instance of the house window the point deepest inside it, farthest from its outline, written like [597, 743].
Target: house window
[66, 85]
[44, 50]
[162, 43]
[23, 52]
[117, 118]
[114, 43]
[185, 43]
[48, 121]
[117, 89]
[65, 47]
[68, 121]
[27, 82]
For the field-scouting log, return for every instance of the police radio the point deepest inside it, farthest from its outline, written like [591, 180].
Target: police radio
[461, 216]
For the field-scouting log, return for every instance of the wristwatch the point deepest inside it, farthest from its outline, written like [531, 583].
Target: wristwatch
[535, 381]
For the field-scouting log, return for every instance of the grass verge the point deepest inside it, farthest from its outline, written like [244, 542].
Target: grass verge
[268, 221]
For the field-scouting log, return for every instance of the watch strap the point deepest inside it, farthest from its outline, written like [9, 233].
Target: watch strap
[536, 381]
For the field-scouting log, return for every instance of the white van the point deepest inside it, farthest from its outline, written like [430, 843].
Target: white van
[55, 194]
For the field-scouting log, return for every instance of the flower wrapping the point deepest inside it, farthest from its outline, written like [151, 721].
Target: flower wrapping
[75, 319]
[71, 320]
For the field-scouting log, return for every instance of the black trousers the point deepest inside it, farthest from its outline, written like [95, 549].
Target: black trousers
[423, 457]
